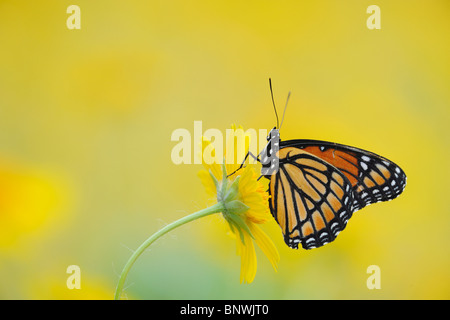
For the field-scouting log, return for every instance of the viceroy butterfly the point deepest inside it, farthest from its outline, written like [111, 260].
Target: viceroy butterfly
[318, 185]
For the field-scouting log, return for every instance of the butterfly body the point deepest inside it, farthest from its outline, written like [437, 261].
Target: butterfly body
[318, 185]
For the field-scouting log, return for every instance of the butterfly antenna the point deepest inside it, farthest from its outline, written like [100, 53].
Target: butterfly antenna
[287, 100]
[273, 101]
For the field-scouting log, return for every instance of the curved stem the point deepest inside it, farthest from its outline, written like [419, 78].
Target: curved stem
[218, 207]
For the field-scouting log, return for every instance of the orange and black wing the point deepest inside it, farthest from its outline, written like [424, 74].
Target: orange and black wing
[373, 177]
[310, 199]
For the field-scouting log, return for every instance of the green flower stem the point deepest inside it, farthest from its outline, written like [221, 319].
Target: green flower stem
[218, 207]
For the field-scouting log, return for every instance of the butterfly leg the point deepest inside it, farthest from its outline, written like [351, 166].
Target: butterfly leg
[243, 162]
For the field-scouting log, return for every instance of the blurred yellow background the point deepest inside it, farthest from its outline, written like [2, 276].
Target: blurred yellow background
[86, 118]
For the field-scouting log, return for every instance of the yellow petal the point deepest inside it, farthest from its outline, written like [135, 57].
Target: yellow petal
[248, 258]
[247, 174]
[207, 182]
[266, 244]
[215, 168]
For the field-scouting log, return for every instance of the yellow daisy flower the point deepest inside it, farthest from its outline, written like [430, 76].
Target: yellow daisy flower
[244, 187]
[242, 201]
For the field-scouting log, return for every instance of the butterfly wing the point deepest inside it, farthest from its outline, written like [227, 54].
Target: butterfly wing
[310, 199]
[373, 177]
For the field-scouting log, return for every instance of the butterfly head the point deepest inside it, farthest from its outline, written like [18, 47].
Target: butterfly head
[274, 133]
